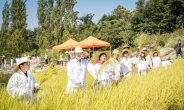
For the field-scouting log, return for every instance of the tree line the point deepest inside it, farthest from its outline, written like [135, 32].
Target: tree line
[57, 21]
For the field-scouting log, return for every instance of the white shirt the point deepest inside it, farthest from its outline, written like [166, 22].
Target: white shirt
[142, 64]
[77, 72]
[102, 72]
[19, 84]
[126, 65]
[156, 61]
[114, 65]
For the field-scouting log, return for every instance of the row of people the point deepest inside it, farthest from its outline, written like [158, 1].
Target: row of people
[23, 84]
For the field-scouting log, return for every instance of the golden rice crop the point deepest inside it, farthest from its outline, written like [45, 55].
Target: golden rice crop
[161, 89]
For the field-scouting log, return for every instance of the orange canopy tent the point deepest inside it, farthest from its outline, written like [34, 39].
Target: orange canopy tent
[92, 42]
[69, 44]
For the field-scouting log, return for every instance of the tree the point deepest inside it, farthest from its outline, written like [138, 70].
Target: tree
[5, 26]
[18, 26]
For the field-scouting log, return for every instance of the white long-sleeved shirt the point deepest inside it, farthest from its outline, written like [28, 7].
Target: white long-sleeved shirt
[114, 65]
[142, 64]
[126, 65]
[102, 72]
[155, 62]
[21, 85]
[77, 72]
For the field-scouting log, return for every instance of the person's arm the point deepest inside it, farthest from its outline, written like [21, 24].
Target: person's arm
[70, 73]
[12, 87]
[91, 69]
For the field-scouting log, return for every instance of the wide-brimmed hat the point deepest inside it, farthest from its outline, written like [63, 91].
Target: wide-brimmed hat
[3, 56]
[145, 49]
[145, 52]
[158, 52]
[125, 46]
[20, 61]
[116, 51]
[33, 62]
[78, 49]
[126, 50]
[98, 55]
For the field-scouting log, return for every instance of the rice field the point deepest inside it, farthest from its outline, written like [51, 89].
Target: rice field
[161, 89]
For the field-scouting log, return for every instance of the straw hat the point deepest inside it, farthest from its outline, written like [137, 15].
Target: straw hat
[126, 46]
[158, 52]
[78, 49]
[3, 56]
[126, 50]
[20, 61]
[145, 52]
[145, 49]
[115, 51]
[98, 55]
[33, 62]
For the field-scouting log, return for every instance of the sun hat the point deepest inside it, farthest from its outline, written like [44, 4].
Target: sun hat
[126, 50]
[78, 49]
[116, 51]
[125, 46]
[145, 52]
[158, 52]
[145, 49]
[3, 56]
[98, 55]
[20, 61]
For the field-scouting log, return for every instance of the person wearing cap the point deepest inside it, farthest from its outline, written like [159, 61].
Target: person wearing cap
[156, 60]
[142, 64]
[126, 63]
[76, 70]
[102, 70]
[22, 83]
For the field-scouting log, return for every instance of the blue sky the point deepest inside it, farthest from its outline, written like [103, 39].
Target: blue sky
[97, 7]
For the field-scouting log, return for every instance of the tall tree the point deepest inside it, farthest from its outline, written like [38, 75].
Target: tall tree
[5, 26]
[41, 37]
[17, 31]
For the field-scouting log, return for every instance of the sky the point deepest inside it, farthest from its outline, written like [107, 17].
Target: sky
[97, 7]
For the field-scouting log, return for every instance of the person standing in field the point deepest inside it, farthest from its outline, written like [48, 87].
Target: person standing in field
[156, 60]
[22, 83]
[46, 59]
[148, 58]
[126, 63]
[178, 48]
[76, 70]
[11, 62]
[104, 76]
[142, 64]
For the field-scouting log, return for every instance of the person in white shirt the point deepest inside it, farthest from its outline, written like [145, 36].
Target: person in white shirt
[114, 66]
[142, 64]
[11, 62]
[148, 58]
[156, 60]
[76, 70]
[104, 75]
[22, 83]
[126, 63]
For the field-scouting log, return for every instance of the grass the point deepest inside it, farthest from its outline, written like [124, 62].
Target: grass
[161, 89]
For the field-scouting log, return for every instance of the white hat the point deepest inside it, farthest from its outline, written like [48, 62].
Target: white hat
[3, 56]
[78, 49]
[20, 61]
[115, 51]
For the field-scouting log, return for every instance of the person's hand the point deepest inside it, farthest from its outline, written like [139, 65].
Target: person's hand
[36, 89]
[113, 73]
